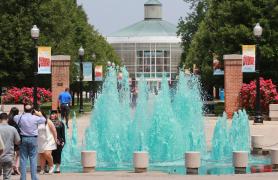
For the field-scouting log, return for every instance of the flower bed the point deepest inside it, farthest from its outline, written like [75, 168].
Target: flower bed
[269, 95]
[25, 96]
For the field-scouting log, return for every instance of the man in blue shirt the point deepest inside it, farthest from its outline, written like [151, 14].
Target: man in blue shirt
[64, 102]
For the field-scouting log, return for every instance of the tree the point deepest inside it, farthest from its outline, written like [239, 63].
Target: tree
[227, 25]
[188, 26]
[63, 26]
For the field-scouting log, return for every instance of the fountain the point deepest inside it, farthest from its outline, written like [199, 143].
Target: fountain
[166, 125]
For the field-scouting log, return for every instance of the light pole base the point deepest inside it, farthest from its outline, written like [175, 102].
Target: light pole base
[258, 120]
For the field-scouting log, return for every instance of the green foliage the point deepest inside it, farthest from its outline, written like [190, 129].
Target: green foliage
[224, 26]
[63, 26]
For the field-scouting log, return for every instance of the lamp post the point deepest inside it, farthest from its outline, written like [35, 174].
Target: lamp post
[258, 30]
[81, 54]
[93, 78]
[35, 33]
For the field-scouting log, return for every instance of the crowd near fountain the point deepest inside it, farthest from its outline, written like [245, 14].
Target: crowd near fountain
[165, 124]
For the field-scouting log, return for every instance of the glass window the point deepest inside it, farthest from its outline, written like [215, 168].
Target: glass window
[159, 68]
[159, 61]
[140, 61]
[153, 61]
[147, 61]
[147, 75]
[139, 53]
[139, 68]
[166, 53]
[153, 68]
[166, 69]
[146, 68]
[167, 61]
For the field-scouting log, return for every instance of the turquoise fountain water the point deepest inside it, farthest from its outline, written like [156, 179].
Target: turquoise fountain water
[165, 136]
[107, 131]
[165, 130]
[139, 126]
[71, 151]
[166, 125]
[187, 106]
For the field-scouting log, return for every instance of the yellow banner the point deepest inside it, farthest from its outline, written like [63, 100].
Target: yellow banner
[44, 60]
[248, 58]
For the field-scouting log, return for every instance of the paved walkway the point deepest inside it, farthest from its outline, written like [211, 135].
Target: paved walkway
[152, 176]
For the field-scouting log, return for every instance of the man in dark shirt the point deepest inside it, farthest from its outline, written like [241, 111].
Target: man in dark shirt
[64, 101]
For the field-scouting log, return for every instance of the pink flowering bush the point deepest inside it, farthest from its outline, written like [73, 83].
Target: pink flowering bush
[269, 95]
[25, 96]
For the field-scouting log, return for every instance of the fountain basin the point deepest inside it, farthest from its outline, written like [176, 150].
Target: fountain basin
[140, 161]
[88, 160]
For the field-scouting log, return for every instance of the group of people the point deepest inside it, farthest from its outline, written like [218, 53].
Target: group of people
[32, 135]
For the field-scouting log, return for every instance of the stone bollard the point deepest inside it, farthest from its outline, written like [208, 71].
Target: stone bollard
[274, 158]
[240, 161]
[88, 159]
[192, 162]
[257, 142]
[140, 161]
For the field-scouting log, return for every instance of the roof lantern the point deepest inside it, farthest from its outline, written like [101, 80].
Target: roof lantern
[153, 10]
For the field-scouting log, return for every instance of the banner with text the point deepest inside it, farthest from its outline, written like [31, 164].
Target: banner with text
[87, 71]
[248, 58]
[44, 60]
[98, 73]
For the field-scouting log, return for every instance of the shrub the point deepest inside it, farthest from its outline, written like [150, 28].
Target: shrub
[268, 95]
[25, 96]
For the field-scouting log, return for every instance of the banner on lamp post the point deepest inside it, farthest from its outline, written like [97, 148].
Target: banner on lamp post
[44, 60]
[98, 73]
[87, 71]
[248, 58]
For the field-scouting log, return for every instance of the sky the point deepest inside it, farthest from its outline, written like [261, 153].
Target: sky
[108, 16]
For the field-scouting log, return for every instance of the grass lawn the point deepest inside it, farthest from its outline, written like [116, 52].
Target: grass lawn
[87, 106]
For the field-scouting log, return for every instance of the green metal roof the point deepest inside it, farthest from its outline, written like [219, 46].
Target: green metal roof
[147, 28]
[153, 2]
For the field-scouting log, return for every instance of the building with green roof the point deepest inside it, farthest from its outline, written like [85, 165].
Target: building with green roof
[150, 47]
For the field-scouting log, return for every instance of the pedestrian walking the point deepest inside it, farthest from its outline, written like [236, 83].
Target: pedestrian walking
[10, 137]
[28, 148]
[64, 102]
[61, 140]
[13, 112]
[47, 137]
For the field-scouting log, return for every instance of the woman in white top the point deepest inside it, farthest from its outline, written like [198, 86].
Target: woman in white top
[47, 138]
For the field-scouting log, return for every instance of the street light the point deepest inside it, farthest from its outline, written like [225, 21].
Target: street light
[81, 54]
[257, 31]
[35, 33]
[93, 78]
[109, 63]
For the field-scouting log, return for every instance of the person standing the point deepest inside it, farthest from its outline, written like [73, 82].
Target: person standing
[64, 101]
[10, 137]
[13, 112]
[47, 137]
[61, 140]
[28, 125]
[1, 146]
